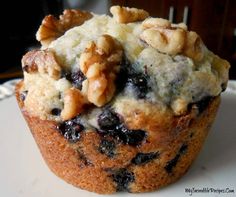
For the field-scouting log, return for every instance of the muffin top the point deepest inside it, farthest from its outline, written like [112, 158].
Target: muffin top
[88, 62]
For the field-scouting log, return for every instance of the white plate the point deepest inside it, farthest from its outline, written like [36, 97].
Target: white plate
[23, 172]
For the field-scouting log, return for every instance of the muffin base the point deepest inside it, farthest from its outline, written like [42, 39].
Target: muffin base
[82, 165]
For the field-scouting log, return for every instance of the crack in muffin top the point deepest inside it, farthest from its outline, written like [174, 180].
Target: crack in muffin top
[125, 59]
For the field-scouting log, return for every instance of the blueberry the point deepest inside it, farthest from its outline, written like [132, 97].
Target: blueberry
[133, 137]
[143, 158]
[172, 163]
[71, 129]
[111, 125]
[107, 147]
[23, 95]
[203, 104]
[84, 160]
[77, 79]
[183, 149]
[125, 70]
[56, 111]
[139, 84]
[108, 120]
[66, 74]
[130, 137]
[123, 177]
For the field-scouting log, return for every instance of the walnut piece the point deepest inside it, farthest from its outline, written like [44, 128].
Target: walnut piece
[42, 61]
[52, 28]
[156, 22]
[193, 46]
[128, 15]
[74, 102]
[170, 41]
[100, 63]
[180, 25]
[172, 38]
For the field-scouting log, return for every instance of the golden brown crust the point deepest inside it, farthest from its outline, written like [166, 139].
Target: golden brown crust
[82, 165]
[52, 28]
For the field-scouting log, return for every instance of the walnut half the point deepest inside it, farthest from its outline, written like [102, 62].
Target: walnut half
[100, 63]
[165, 40]
[42, 61]
[128, 15]
[172, 38]
[52, 28]
[74, 102]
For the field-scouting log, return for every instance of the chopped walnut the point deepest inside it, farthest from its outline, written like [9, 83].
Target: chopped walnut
[170, 41]
[100, 64]
[128, 15]
[52, 28]
[42, 61]
[193, 46]
[180, 25]
[156, 22]
[172, 38]
[74, 102]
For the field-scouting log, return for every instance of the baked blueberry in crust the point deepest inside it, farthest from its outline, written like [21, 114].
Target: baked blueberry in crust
[111, 125]
[107, 147]
[23, 95]
[125, 70]
[84, 160]
[108, 120]
[56, 111]
[122, 177]
[172, 163]
[130, 137]
[71, 129]
[76, 78]
[139, 83]
[143, 158]
[202, 104]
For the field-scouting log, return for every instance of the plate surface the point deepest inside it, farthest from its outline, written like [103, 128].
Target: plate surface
[23, 173]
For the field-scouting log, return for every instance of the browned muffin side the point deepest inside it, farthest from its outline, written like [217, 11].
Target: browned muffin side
[166, 154]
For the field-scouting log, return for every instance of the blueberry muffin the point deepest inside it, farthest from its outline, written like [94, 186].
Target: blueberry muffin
[121, 102]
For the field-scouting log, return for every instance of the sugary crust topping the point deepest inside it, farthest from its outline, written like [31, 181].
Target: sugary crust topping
[100, 64]
[128, 15]
[74, 102]
[43, 62]
[172, 39]
[52, 28]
